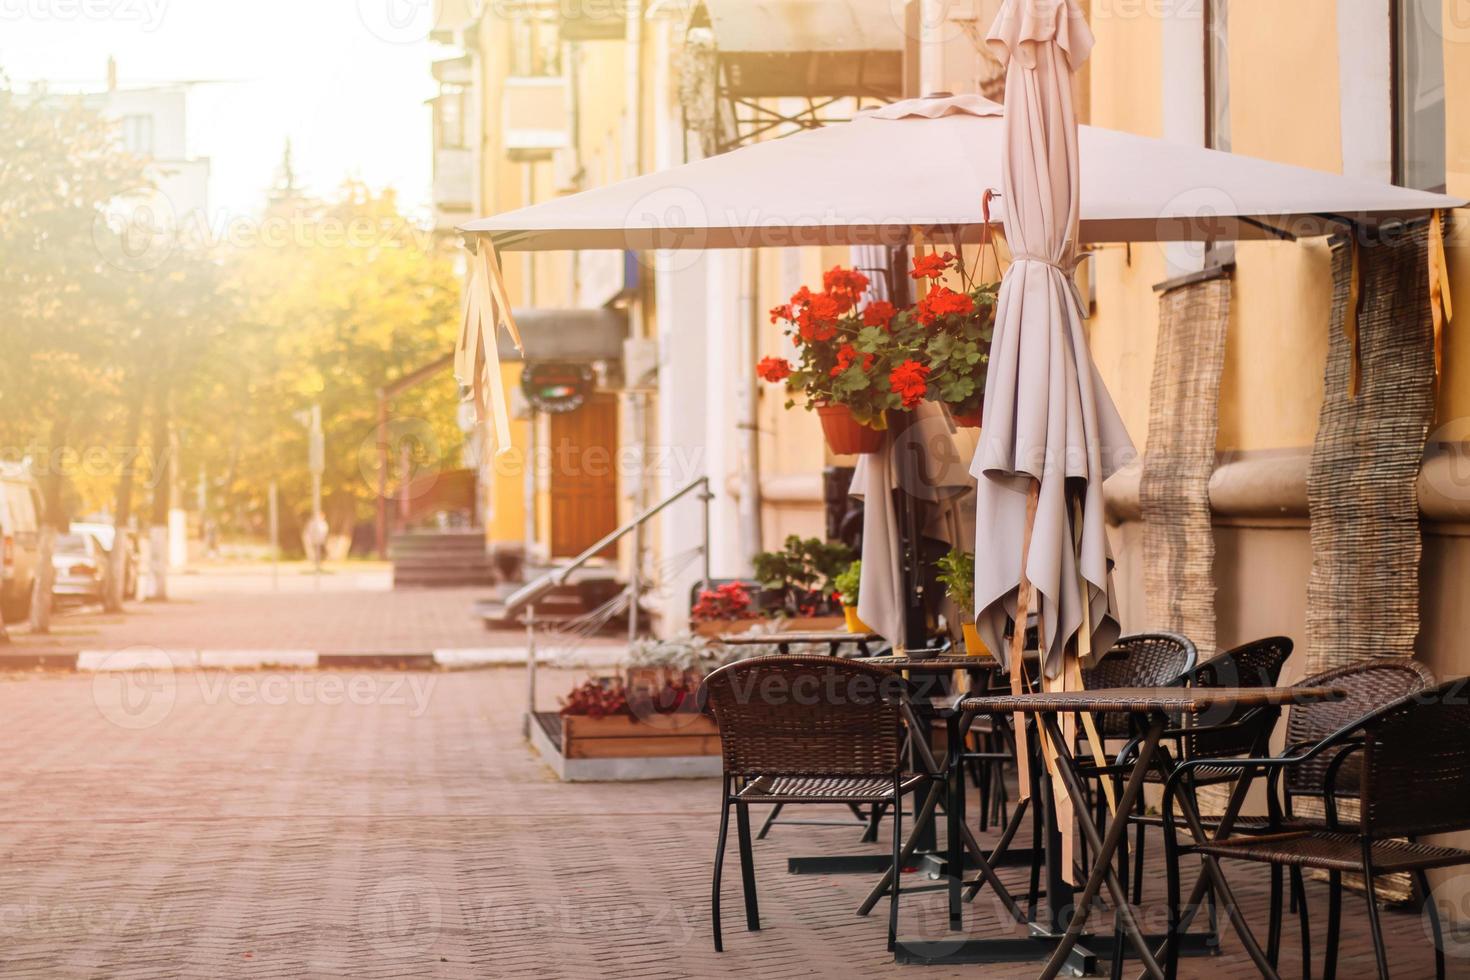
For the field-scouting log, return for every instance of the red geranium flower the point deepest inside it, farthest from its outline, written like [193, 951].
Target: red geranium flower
[942, 302]
[779, 313]
[931, 266]
[816, 319]
[774, 369]
[879, 313]
[846, 286]
[910, 381]
[846, 355]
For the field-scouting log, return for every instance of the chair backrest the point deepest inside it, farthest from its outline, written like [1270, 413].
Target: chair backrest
[1416, 765]
[1369, 686]
[1140, 660]
[1255, 664]
[807, 716]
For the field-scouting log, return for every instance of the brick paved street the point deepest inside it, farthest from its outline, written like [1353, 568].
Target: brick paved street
[351, 610]
[394, 824]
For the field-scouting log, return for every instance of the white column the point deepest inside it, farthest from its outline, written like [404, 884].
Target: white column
[1365, 86]
[1183, 95]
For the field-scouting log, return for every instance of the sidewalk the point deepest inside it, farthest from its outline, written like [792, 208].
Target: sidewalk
[244, 613]
[388, 824]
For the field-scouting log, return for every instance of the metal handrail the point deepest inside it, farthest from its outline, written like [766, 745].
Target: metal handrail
[527, 595]
[532, 591]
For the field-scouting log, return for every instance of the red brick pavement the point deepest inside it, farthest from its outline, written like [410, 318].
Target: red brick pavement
[273, 824]
[348, 611]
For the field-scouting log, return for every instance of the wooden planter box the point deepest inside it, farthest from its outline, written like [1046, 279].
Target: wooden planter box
[798, 624]
[622, 736]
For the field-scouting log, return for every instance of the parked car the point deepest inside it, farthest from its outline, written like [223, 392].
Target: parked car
[104, 534]
[80, 563]
[20, 539]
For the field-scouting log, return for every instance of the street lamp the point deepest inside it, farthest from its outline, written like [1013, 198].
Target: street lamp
[316, 462]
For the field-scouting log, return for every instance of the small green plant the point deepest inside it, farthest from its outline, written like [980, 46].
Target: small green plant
[957, 575]
[848, 582]
[802, 573]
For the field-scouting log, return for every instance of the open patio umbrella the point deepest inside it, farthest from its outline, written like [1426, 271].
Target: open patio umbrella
[934, 160]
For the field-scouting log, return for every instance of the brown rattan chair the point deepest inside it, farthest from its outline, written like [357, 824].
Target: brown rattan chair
[1408, 766]
[1136, 660]
[1255, 664]
[1368, 687]
[807, 730]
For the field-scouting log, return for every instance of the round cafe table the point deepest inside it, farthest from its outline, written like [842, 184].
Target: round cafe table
[1153, 710]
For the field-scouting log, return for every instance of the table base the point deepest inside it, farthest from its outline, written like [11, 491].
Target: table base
[1083, 961]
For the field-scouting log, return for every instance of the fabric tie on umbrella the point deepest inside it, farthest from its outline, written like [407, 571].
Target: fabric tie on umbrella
[1052, 434]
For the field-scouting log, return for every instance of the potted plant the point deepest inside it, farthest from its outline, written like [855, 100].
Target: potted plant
[847, 585]
[655, 665]
[844, 362]
[957, 575]
[726, 609]
[802, 575]
[855, 364]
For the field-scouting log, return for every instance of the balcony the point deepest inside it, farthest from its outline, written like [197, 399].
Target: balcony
[454, 186]
[535, 121]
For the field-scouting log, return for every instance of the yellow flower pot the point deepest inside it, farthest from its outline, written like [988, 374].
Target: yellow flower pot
[854, 625]
[973, 645]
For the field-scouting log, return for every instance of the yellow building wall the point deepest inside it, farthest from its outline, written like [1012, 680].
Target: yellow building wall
[1284, 82]
[1454, 394]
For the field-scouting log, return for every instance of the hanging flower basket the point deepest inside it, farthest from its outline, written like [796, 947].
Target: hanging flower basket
[858, 359]
[846, 435]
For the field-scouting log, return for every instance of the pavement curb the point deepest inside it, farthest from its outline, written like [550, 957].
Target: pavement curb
[152, 658]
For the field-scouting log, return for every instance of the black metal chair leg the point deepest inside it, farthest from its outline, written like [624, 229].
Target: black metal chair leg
[1371, 890]
[1033, 896]
[875, 819]
[719, 867]
[1334, 924]
[1427, 906]
[747, 867]
[896, 872]
[1299, 895]
[770, 821]
[1138, 840]
[1273, 938]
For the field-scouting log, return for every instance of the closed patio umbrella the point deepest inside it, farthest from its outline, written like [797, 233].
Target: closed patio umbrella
[1052, 434]
[925, 459]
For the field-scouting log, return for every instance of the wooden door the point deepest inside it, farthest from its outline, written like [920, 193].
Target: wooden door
[584, 478]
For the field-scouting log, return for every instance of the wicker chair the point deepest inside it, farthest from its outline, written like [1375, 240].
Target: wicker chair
[1408, 765]
[1255, 664]
[1136, 660]
[807, 730]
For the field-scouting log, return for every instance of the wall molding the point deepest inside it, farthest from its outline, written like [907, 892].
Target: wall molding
[1268, 488]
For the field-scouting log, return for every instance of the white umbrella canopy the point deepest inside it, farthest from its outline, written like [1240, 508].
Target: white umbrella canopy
[934, 159]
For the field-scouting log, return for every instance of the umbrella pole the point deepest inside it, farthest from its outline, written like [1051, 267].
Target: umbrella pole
[1059, 893]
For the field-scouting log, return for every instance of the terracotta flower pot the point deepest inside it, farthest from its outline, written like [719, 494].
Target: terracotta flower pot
[974, 646]
[845, 434]
[853, 623]
[969, 420]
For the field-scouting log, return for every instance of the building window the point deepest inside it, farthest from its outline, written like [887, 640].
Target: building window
[1419, 119]
[137, 134]
[451, 106]
[1217, 74]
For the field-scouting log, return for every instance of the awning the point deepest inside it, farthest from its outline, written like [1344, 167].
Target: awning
[934, 159]
[566, 335]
